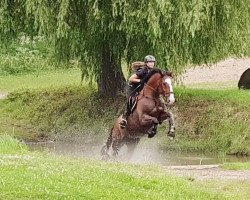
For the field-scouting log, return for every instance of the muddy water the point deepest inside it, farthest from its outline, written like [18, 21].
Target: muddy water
[147, 152]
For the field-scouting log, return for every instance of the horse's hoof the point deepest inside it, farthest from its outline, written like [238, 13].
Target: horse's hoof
[171, 135]
[105, 157]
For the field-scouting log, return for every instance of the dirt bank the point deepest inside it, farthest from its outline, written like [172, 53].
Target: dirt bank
[227, 70]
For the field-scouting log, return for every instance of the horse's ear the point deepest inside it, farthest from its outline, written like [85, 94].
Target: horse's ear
[171, 74]
[168, 73]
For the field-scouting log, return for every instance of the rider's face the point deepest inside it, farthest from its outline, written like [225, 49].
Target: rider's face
[150, 64]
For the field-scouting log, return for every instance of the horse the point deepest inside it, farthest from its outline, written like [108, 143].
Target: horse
[156, 95]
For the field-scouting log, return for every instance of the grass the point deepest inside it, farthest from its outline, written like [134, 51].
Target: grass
[233, 189]
[59, 78]
[212, 121]
[9, 145]
[44, 176]
[236, 166]
[47, 176]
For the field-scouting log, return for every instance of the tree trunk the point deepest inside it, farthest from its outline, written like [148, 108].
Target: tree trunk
[111, 81]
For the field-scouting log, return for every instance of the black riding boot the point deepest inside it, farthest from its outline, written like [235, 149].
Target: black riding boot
[128, 110]
[123, 122]
[152, 131]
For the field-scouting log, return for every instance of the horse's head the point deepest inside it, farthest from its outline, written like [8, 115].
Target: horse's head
[166, 88]
[160, 82]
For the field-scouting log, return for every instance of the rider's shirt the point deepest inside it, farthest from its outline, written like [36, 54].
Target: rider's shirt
[141, 72]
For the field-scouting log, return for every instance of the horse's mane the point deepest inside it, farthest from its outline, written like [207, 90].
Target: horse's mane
[151, 73]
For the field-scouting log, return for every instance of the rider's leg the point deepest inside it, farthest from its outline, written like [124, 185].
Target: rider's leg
[131, 93]
[125, 115]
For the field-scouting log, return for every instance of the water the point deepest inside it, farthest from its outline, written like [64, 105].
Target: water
[147, 152]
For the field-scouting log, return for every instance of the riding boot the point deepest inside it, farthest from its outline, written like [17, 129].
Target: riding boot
[123, 122]
[152, 131]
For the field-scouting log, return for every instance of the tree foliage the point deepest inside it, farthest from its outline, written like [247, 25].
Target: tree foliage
[178, 33]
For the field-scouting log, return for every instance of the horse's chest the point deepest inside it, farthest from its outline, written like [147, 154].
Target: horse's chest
[156, 112]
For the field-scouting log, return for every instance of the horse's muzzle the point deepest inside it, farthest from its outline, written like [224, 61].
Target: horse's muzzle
[170, 99]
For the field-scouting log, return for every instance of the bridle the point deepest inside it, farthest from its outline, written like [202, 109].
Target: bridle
[156, 90]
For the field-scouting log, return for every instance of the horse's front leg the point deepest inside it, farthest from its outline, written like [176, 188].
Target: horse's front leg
[170, 117]
[171, 132]
[148, 120]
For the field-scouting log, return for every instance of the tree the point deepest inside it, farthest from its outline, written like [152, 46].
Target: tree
[103, 33]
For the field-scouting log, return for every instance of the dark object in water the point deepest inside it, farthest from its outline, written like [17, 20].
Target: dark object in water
[244, 82]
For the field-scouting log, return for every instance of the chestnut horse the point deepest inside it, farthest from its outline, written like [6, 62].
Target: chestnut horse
[150, 111]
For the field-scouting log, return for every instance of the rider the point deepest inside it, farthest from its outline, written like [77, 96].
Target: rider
[135, 84]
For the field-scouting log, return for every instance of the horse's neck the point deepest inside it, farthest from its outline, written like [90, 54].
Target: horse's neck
[150, 89]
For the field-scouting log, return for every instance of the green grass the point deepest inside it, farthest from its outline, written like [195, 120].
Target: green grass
[231, 189]
[46, 176]
[212, 121]
[59, 78]
[40, 176]
[236, 166]
[9, 145]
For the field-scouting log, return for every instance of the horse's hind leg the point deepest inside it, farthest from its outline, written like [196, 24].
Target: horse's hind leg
[105, 148]
[116, 146]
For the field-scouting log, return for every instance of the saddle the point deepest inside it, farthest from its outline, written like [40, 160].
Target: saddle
[132, 102]
[132, 97]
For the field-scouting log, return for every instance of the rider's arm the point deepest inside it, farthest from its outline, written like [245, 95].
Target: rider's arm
[134, 79]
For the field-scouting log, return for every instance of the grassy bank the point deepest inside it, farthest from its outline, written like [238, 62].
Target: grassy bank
[9, 145]
[57, 112]
[55, 104]
[212, 121]
[42, 176]
[207, 120]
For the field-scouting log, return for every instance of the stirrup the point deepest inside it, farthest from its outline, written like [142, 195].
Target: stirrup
[123, 123]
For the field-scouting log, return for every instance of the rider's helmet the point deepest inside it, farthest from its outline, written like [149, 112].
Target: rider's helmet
[149, 58]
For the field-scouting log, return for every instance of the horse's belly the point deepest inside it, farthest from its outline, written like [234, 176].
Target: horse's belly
[137, 132]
